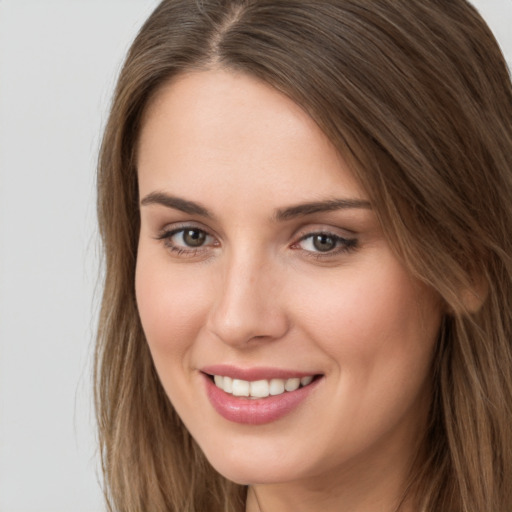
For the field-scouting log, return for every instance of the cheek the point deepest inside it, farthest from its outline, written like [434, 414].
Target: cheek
[172, 305]
[375, 321]
[379, 329]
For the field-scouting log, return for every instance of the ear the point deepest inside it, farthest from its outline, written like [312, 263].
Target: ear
[474, 296]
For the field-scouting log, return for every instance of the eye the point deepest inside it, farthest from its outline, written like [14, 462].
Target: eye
[193, 237]
[322, 242]
[325, 243]
[187, 240]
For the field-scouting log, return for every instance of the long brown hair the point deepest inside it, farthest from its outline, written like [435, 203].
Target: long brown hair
[417, 97]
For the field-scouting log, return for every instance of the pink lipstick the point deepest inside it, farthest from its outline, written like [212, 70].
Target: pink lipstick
[278, 392]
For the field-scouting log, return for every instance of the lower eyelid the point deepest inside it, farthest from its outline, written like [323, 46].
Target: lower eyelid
[337, 252]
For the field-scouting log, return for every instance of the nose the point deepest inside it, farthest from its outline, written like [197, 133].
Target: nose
[248, 303]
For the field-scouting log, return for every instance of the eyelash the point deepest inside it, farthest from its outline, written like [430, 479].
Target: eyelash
[167, 235]
[341, 244]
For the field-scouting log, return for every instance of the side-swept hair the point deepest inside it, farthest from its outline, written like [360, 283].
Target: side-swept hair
[416, 96]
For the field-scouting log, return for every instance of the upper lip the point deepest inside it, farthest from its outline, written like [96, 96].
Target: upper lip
[254, 373]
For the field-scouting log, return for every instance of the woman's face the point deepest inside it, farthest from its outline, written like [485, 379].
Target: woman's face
[262, 270]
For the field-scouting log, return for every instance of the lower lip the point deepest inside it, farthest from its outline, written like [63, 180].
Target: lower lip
[256, 411]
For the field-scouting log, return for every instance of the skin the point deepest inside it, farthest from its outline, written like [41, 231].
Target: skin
[258, 292]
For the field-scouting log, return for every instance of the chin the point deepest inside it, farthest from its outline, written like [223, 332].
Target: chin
[250, 467]
[248, 474]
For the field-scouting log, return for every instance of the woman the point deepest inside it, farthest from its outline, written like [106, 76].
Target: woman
[305, 208]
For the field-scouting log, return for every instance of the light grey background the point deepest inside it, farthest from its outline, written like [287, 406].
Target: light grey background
[58, 63]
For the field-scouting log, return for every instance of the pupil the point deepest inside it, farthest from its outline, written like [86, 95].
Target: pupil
[194, 238]
[324, 243]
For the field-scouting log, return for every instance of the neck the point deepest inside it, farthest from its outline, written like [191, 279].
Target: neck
[296, 498]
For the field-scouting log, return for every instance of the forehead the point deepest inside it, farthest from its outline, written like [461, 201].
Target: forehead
[220, 131]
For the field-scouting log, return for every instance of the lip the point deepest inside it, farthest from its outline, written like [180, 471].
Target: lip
[255, 373]
[259, 411]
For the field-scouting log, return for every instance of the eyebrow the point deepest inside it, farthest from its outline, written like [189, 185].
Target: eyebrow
[177, 203]
[282, 214]
[329, 205]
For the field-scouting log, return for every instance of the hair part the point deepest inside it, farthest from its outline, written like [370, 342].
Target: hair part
[417, 98]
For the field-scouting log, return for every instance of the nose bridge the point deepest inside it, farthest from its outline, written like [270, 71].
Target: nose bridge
[247, 305]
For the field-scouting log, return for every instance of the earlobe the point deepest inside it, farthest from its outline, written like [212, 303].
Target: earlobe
[474, 297]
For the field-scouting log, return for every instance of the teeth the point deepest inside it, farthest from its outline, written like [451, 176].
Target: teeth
[292, 384]
[304, 381]
[227, 385]
[240, 387]
[260, 388]
[277, 386]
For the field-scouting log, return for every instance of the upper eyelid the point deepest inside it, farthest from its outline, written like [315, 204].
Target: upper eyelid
[339, 238]
[168, 232]
[176, 227]
[344, 233]
[343, 245]
[298, 235]
[307, 234]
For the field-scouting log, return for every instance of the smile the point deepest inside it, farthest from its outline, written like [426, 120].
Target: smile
[259, 395]
[260, 388]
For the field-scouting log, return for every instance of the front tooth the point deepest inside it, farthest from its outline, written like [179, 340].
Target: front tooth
[292, 384]
[259, 388]
[306, 380]
[240, 387]
[276, 386]
[219, 381]
[227, 385]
